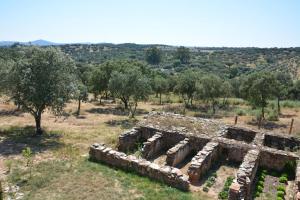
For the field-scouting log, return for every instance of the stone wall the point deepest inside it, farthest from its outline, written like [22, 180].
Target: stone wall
[275, 159]
[169, 175]
[128, 140]
[245, 177]
[235, 151]
[201, 163]
[178, 153]
[281, 142]
[152, 146]
[240, 134]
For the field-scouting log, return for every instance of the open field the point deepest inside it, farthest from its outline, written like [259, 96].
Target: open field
[60, 166]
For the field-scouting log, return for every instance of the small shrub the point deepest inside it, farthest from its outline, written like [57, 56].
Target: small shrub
[285, 175]
[223, 195]
[279, 198]
[261, 184]
[280, 194]
[281, 188]
[283, 179]
[209, 183]
[259, 189]
[27, 154]
[257, 194]
[205, 189]
[212, 179]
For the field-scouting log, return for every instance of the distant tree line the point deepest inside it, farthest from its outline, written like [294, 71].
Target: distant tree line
[37, 79]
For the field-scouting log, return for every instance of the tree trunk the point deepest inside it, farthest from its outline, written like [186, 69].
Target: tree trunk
[79, 105]
[160, 98]
[278, 105]
[156, 95]
[213, 107]
[263, 112]
[38, 124]
[125, 104]
[132, 111]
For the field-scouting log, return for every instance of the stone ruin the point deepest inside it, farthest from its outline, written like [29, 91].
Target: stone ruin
[205, 141]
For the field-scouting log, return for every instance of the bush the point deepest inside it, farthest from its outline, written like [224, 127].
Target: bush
[209, 183]
[257, 194]
[261, 184]
[205, 189]
[279, 198]
[281, 188]
[280, 194]
[259, 189]
[283, 179]
[224, 193]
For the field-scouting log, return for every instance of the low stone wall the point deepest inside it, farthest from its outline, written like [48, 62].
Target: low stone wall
[282, 142]
[178, 153]
[275, 159]
[240, 134]
[234, 150]
[245, 177]
[203, 161]
[152, 146]
[169, 175]
[129, 139]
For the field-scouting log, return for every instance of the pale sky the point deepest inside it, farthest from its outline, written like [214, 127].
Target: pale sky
[234, 23]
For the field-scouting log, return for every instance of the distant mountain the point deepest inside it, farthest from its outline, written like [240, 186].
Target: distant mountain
[35, 42]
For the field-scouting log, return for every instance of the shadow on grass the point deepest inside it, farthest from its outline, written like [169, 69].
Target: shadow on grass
[115, 111]
[15, 139]
[125, 123]
[14, 112]
[268, 125]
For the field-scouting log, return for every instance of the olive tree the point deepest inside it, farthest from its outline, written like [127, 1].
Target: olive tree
[130, 86]
[183, 54]
[283, 83]
[44, 78]
[160, 85]
[186, 85]
[258, 88]
[209, 88]
[153, 56]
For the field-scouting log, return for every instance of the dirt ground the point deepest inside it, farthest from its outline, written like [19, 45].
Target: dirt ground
[99, 123]
[223, 172]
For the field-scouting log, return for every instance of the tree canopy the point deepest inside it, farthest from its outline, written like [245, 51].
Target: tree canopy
[183, 54]
[153, 56]
[258, 88]
[43, 78]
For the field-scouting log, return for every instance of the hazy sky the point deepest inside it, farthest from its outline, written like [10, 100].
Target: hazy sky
[261, 23]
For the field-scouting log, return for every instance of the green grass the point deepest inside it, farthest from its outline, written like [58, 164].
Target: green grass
[88, 180]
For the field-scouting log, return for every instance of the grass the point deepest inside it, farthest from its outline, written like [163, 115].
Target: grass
[89, 180]
[60, 171]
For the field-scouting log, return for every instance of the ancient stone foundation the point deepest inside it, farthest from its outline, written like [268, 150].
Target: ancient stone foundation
[169, 175]
[241, 189]
[178, 153]
[203, 161]
[179, 138]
